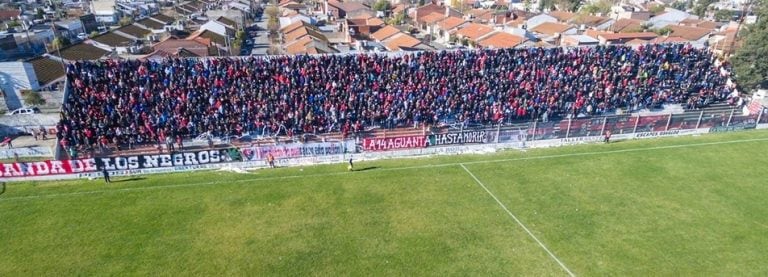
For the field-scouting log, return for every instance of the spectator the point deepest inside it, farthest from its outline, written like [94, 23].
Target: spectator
[147, 100]
[8, 141]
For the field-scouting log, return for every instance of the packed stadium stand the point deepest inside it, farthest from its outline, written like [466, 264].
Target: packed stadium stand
[144, 102]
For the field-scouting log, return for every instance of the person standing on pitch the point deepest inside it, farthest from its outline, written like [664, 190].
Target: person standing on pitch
[351, 166]
[106, 174]
[271, 160]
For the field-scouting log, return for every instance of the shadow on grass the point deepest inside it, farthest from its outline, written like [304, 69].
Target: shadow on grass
[2, 188]
[129, 179]
[367, 168]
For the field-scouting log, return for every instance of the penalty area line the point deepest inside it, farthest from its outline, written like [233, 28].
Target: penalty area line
[639, 149]
[562, 265]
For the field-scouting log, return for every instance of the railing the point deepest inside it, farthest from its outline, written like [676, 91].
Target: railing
[535, 130]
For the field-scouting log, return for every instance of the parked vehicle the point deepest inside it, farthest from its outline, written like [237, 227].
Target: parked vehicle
[28, 110]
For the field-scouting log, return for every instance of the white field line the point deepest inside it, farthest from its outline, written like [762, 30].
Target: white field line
[519, 222]
[640, 149]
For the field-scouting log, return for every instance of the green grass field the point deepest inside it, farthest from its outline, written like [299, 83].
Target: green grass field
[674, 206]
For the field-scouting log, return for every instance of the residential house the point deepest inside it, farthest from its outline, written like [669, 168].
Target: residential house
[625, 25]
[218, 45]
[288, 20]
[133, 32]
[419, 13]
[621, 38]
[293, 5]
[15, 77]
[562, 17]
[447, 27]
[80, 51]
[668, 39]
[293, 26]
[537, 20]
[500, 40]
[157, 24]
[89, 23]
[341, 10]
[302, 32]
[477, 15]
[218, 27]
[596, 33]
[7, 15]
[174, 47]
[697, 36]
[70, 28]
[578, 40]
[364, 26]
[551, 32]
[399, 8]
[428, 22]
[309, 45]
[191, 9]
[472, 33]
[234, 19]
[706, 24]
[669, 17]
[105, 11]
[117, 43]
[592, 22]
[137, 9]
[303, 38]
[243, 6]
[404, 42]
[385, 33]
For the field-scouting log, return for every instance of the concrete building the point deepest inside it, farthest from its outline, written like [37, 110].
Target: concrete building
[15, 77]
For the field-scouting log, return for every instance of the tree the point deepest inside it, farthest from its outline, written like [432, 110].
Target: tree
[663, 31]
[602, 6]
[60, 42]
[93, 34]
[125, 21]
[723, 15]
[39, 14]
[273, 25]
[568, 5]
[702, 6]
[657, 9]
[398, 19]
[32, 98]
[381, 5]
[749, 62]
[680, 5]
[14, 23]
[272, 11]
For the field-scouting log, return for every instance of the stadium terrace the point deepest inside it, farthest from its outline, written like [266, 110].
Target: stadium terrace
[134, 102]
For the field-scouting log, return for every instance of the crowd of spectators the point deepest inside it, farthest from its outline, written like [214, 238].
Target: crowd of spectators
[140, 101]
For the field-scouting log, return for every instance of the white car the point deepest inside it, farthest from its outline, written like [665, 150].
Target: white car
[82, 36]
[30, 110]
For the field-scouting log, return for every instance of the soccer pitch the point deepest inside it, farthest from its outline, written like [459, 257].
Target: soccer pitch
[673, 206]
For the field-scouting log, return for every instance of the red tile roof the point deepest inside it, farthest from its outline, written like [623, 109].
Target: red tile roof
[385, 33]
[501, 40]
[474, 31]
